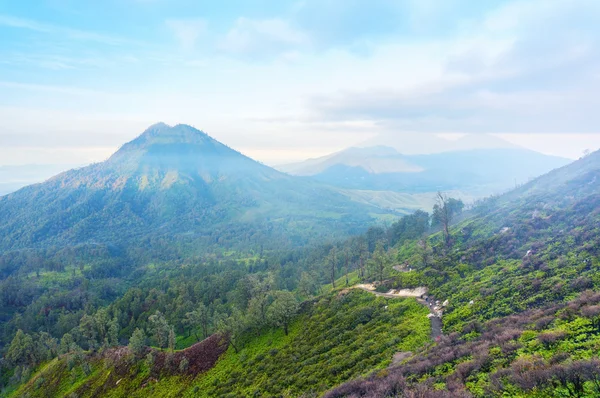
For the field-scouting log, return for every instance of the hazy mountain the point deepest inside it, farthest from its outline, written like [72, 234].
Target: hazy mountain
[13, 177]
[477, 171]
[374, 160]
[574, 180]
[172, 181]
[426, 143]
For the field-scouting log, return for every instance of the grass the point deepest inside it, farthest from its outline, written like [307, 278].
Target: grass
[340, 282]
[337, 337]
[340, 337]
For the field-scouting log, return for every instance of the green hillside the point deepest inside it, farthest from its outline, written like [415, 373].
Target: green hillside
[333, 339]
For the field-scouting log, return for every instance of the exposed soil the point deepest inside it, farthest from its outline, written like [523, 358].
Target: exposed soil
[435, 312]
[200, 357]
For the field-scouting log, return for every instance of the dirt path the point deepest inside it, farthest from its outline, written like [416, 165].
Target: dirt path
[435, 311]
[402, 268]
[417, 292]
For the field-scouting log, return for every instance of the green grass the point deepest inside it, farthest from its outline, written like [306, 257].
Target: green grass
[340, 336]
[340, 282]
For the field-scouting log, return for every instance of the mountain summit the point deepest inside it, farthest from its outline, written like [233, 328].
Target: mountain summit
[172, 181]
[163, 156]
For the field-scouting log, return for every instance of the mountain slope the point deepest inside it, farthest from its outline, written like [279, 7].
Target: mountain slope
[169, 181]
[521, 283]
[338, 327]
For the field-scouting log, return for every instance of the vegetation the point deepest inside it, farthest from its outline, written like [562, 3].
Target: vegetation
[518, 275]
[333, 339]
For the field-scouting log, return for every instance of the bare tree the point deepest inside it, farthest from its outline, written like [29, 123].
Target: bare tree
[346, 263]
[362, 253]
[380, 263]
[443, 212]
[332, 264]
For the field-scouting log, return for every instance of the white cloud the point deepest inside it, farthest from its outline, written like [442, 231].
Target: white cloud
[187, 31]
[523, 70]
[307, 90]
[250, 37]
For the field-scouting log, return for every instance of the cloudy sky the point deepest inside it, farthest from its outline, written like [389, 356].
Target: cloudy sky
[286, 80]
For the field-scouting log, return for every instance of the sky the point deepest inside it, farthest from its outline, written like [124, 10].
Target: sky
[287, 80]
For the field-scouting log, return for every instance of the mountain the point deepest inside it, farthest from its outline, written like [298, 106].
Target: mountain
[175, 183]
[421, 143]
[478, 171]
[373, 160]
[14, 177]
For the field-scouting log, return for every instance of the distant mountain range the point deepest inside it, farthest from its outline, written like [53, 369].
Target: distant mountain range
[380, 168]
[175, 182]
[422, 143]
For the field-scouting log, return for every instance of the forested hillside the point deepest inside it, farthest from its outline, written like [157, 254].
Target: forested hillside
[517, 275]
[173, 196]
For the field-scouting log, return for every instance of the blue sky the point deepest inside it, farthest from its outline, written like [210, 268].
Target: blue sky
[286, 80]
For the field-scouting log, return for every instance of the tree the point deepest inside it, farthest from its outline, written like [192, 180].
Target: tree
[332, 262]
[423, 251]
[160, 329]
[101, 322]
[409, 227]
[137, 342]
[66, 343]
[307, 285]
[257, 311]
[87, 325]
[284, 308]
[113, 333]
[198, 318]
[232, 326]
[362, 256]
[346, 264]
[443, 212]
[204, 316]
[374, 235]
[379, 262]
[21, 350]
[587, 152]
[172, 339]
[46, 347]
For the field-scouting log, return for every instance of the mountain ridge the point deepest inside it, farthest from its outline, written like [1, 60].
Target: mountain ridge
[478, 171]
